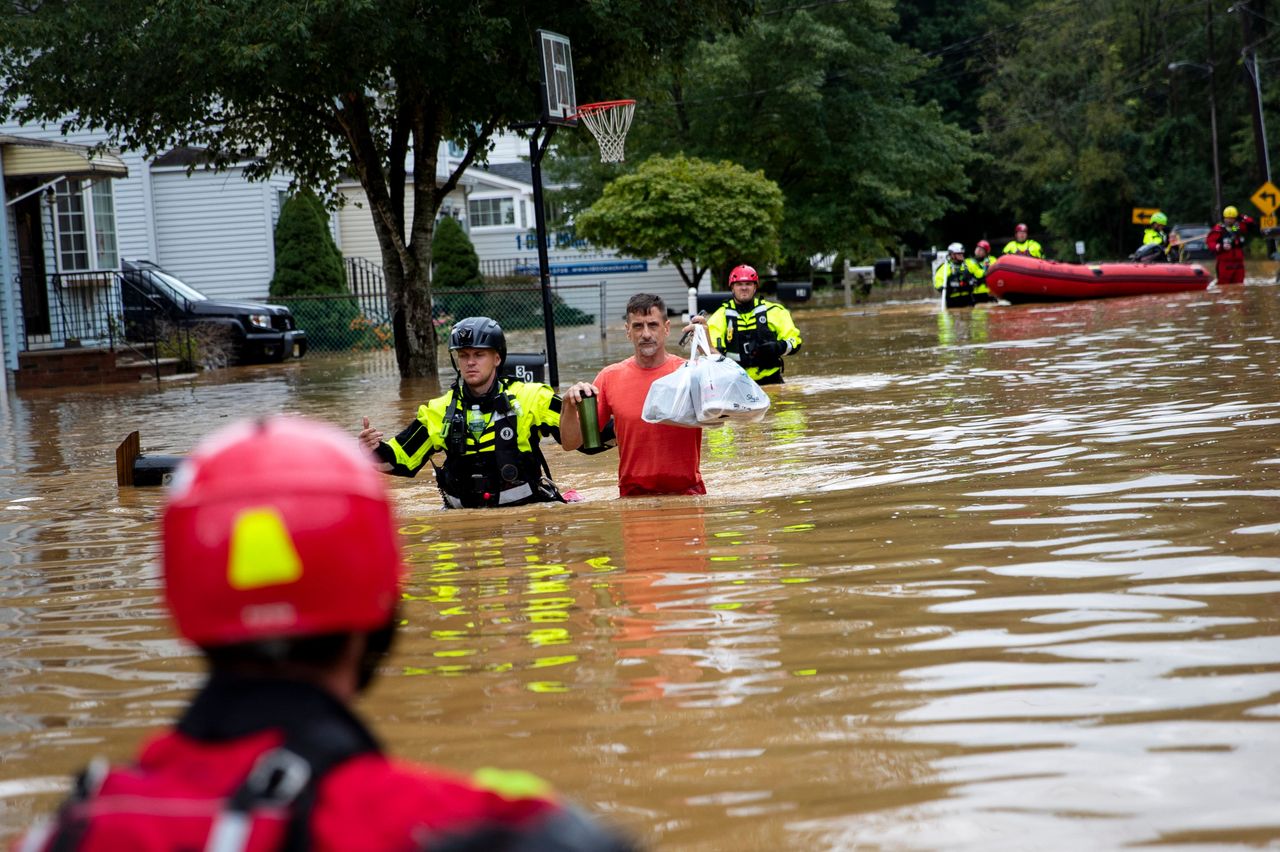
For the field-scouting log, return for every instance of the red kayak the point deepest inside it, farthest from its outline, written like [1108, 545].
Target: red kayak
[1018, 278]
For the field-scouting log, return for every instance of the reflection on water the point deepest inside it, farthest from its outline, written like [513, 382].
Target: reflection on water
[980, 577]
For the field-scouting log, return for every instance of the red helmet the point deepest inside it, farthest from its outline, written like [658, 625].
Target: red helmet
[1021, 226]
[743, 273]
[277, 528]
[983, 244]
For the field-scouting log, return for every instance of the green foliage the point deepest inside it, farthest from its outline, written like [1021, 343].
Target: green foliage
[336, 324]
[819, 98]
[690, 213]
[308, 261]
[453, 257]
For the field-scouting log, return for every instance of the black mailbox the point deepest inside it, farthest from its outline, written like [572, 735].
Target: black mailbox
[525, 366]
[794, 291]
[710, 301]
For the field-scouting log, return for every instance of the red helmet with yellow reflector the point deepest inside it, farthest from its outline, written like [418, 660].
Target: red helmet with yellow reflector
[279, 528]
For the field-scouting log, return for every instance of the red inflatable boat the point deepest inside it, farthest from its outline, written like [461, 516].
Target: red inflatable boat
[1018, 278]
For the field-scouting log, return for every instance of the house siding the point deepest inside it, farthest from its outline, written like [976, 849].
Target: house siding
[222, 245]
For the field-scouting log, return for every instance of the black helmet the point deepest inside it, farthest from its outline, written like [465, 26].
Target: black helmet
[479, 333]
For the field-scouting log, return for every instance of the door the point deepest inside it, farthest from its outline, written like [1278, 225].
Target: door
[31, 269]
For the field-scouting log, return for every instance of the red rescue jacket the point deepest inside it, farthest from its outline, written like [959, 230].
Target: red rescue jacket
[269, 764]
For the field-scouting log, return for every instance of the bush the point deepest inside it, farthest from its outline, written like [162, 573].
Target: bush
[454, 263]
[307, 260]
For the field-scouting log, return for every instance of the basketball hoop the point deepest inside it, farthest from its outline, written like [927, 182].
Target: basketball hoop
[608, 121]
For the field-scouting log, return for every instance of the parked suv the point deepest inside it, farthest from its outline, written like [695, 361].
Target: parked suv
[251, 331]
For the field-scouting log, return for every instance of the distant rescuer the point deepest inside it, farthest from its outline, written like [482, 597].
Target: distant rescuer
[978, 266]
[1226, 240]
[1021, 244]
[286, 575]
[488, 426]
[1155, 240]
[653, 458]
[955, 278]
[755, 332]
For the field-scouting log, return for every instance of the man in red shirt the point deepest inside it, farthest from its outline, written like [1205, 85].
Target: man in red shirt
[652, 458]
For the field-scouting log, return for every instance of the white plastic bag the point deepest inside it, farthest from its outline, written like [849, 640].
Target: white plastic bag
[708, 390]
[725, 391]
[670, 399]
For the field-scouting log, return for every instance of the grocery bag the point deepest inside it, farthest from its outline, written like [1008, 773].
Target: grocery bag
[707, 390]
[673, 399]
[725, 392]
[670, 399]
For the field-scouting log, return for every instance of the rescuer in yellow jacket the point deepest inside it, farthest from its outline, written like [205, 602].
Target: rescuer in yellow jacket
[755, 332]
[1021, 244]
[954, 279]
[488, 427]
[978, 266]
[1155, 246]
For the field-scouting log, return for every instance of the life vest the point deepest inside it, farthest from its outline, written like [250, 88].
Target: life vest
[277, 765]
[745, 331]
[1152, 236]
[473, 476]
[255, 792]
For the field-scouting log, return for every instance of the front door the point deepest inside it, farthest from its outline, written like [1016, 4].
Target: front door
[31, 271]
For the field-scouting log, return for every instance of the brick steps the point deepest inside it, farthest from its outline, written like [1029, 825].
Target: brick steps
[51, 368]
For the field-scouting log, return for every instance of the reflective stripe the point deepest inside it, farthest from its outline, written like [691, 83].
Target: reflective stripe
[511, 495]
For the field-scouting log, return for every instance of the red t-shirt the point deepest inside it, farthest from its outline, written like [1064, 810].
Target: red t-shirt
[653, 458]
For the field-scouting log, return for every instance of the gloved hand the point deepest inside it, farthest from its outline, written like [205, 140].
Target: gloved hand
[771, 350]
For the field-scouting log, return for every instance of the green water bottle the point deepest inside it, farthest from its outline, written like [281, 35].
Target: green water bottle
[588, 418]
[475, 422]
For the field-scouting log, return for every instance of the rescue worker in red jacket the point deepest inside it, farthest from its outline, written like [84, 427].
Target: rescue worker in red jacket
[286, 575]
[1226, 240]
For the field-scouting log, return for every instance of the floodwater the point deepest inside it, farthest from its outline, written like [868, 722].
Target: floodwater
[1000, 578]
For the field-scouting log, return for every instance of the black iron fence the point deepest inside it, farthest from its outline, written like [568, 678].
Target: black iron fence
[362, 318]
[69, 308]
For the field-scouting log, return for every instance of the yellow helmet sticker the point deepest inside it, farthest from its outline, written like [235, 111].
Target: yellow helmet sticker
[262, 553]
[511, 783]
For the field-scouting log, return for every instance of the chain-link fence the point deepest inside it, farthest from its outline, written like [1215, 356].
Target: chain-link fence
[361, 320]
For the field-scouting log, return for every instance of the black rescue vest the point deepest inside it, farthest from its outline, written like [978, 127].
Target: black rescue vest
[507, 476]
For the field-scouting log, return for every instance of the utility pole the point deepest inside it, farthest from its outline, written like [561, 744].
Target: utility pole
[1213, 112]
[1251, 33]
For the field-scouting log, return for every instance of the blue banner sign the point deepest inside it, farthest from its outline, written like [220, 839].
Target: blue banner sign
[590, 267]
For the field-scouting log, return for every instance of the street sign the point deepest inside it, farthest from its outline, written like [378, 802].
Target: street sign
[1142, 215]
[1267, 198]
[1267, 222]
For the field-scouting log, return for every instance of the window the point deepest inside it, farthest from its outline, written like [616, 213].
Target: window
[488, 212]
[85, 218]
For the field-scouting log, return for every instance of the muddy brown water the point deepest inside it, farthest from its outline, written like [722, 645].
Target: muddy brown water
[1000, 578]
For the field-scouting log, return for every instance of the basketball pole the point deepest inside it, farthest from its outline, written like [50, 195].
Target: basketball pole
[538, 147]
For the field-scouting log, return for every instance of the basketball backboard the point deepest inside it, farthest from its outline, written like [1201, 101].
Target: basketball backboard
[560, 102]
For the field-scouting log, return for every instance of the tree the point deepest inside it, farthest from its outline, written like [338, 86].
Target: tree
[307, 260]
[819, 97]
[455, 261]
[689, 213]
[325, 89]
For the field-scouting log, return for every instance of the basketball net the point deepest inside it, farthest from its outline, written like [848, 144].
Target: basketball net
[609, 122]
